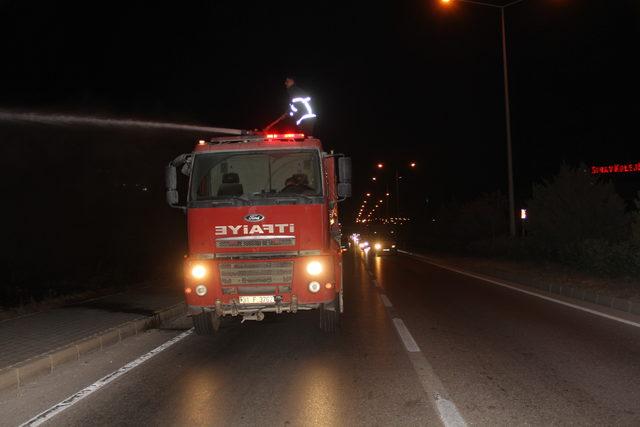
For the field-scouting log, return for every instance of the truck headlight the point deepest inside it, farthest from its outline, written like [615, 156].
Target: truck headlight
[201, 290]
[378, 246]
[314, 268]
[198, 271]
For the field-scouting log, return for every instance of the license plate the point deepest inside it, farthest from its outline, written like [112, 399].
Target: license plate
[261, 299]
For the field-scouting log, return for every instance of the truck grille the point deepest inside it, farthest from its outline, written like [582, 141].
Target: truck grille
[255, 242]
[241, 273]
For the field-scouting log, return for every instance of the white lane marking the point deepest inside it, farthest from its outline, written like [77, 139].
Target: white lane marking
[385, 300]
[408, 341]
[524, 291]
[449, 413]
[430, 382]
[438, 396]
[87, 391]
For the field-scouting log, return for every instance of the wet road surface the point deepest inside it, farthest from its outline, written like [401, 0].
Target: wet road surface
[502, 358]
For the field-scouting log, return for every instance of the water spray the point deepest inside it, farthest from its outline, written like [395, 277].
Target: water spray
[60, 119]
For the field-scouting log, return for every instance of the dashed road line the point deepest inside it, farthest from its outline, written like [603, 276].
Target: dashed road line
[408, 341]
[449, 414]
[430, 382]
[89, 390]
[386, 301]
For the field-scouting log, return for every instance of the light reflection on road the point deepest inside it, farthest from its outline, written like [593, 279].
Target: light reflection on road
[199, 398]
[318, 401]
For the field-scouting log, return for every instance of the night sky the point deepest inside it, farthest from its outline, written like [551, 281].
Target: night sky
[405, 80]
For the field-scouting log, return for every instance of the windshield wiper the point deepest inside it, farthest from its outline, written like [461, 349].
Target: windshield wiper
[293, 197]
[227, 200]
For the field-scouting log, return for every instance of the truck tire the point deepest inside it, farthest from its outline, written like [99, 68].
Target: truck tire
[330, 315]
[206, 323]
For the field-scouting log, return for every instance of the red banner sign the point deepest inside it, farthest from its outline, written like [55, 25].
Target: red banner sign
[625, 168]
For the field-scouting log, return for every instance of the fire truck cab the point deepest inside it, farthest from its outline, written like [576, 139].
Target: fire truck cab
[262, 227]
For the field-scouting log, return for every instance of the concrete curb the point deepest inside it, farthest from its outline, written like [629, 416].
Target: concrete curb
[574, 292]
[16, 375]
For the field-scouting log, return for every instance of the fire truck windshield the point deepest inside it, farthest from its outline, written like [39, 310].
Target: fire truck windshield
[256, 177]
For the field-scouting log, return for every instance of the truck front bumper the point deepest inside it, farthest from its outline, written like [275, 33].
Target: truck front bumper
[235, 308]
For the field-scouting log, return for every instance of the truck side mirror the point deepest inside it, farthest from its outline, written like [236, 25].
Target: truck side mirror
[171, 182]
[172, 197]
[171, 177]
[344, 177]
[344, 190]
[344, 170]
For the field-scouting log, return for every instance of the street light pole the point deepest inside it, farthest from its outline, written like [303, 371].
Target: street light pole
[397, 193]
[507, 108]
[507, 113]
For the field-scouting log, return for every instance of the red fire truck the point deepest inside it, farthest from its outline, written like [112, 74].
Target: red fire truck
[262, 225]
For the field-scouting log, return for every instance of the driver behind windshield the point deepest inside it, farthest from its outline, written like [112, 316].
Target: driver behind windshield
[296, 184]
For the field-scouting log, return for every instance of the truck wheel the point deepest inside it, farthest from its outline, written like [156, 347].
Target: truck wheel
[330, 315]
[206, 323]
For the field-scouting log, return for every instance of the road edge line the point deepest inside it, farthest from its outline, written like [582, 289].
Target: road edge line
[14, 376]
[97, 385]
[519, 287]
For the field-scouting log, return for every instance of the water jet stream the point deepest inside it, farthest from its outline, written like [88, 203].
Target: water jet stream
[61, 119]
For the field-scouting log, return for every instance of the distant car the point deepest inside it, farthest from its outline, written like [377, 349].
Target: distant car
[384, 246]
[363, 241]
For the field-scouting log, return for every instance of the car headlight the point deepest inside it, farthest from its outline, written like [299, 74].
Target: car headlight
[314, 268]
[198, 271]
[378, 246]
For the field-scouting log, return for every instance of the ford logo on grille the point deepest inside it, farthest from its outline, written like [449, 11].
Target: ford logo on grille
[254, 217]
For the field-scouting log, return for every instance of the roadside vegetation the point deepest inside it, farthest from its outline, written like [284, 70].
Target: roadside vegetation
[574, 219]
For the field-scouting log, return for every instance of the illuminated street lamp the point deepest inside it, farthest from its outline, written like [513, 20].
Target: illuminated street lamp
[507, 111]
[412, 165]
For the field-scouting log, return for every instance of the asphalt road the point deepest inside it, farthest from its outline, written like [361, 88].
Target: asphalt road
[500, 357]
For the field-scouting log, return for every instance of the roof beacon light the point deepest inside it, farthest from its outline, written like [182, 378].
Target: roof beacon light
[285, 136]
